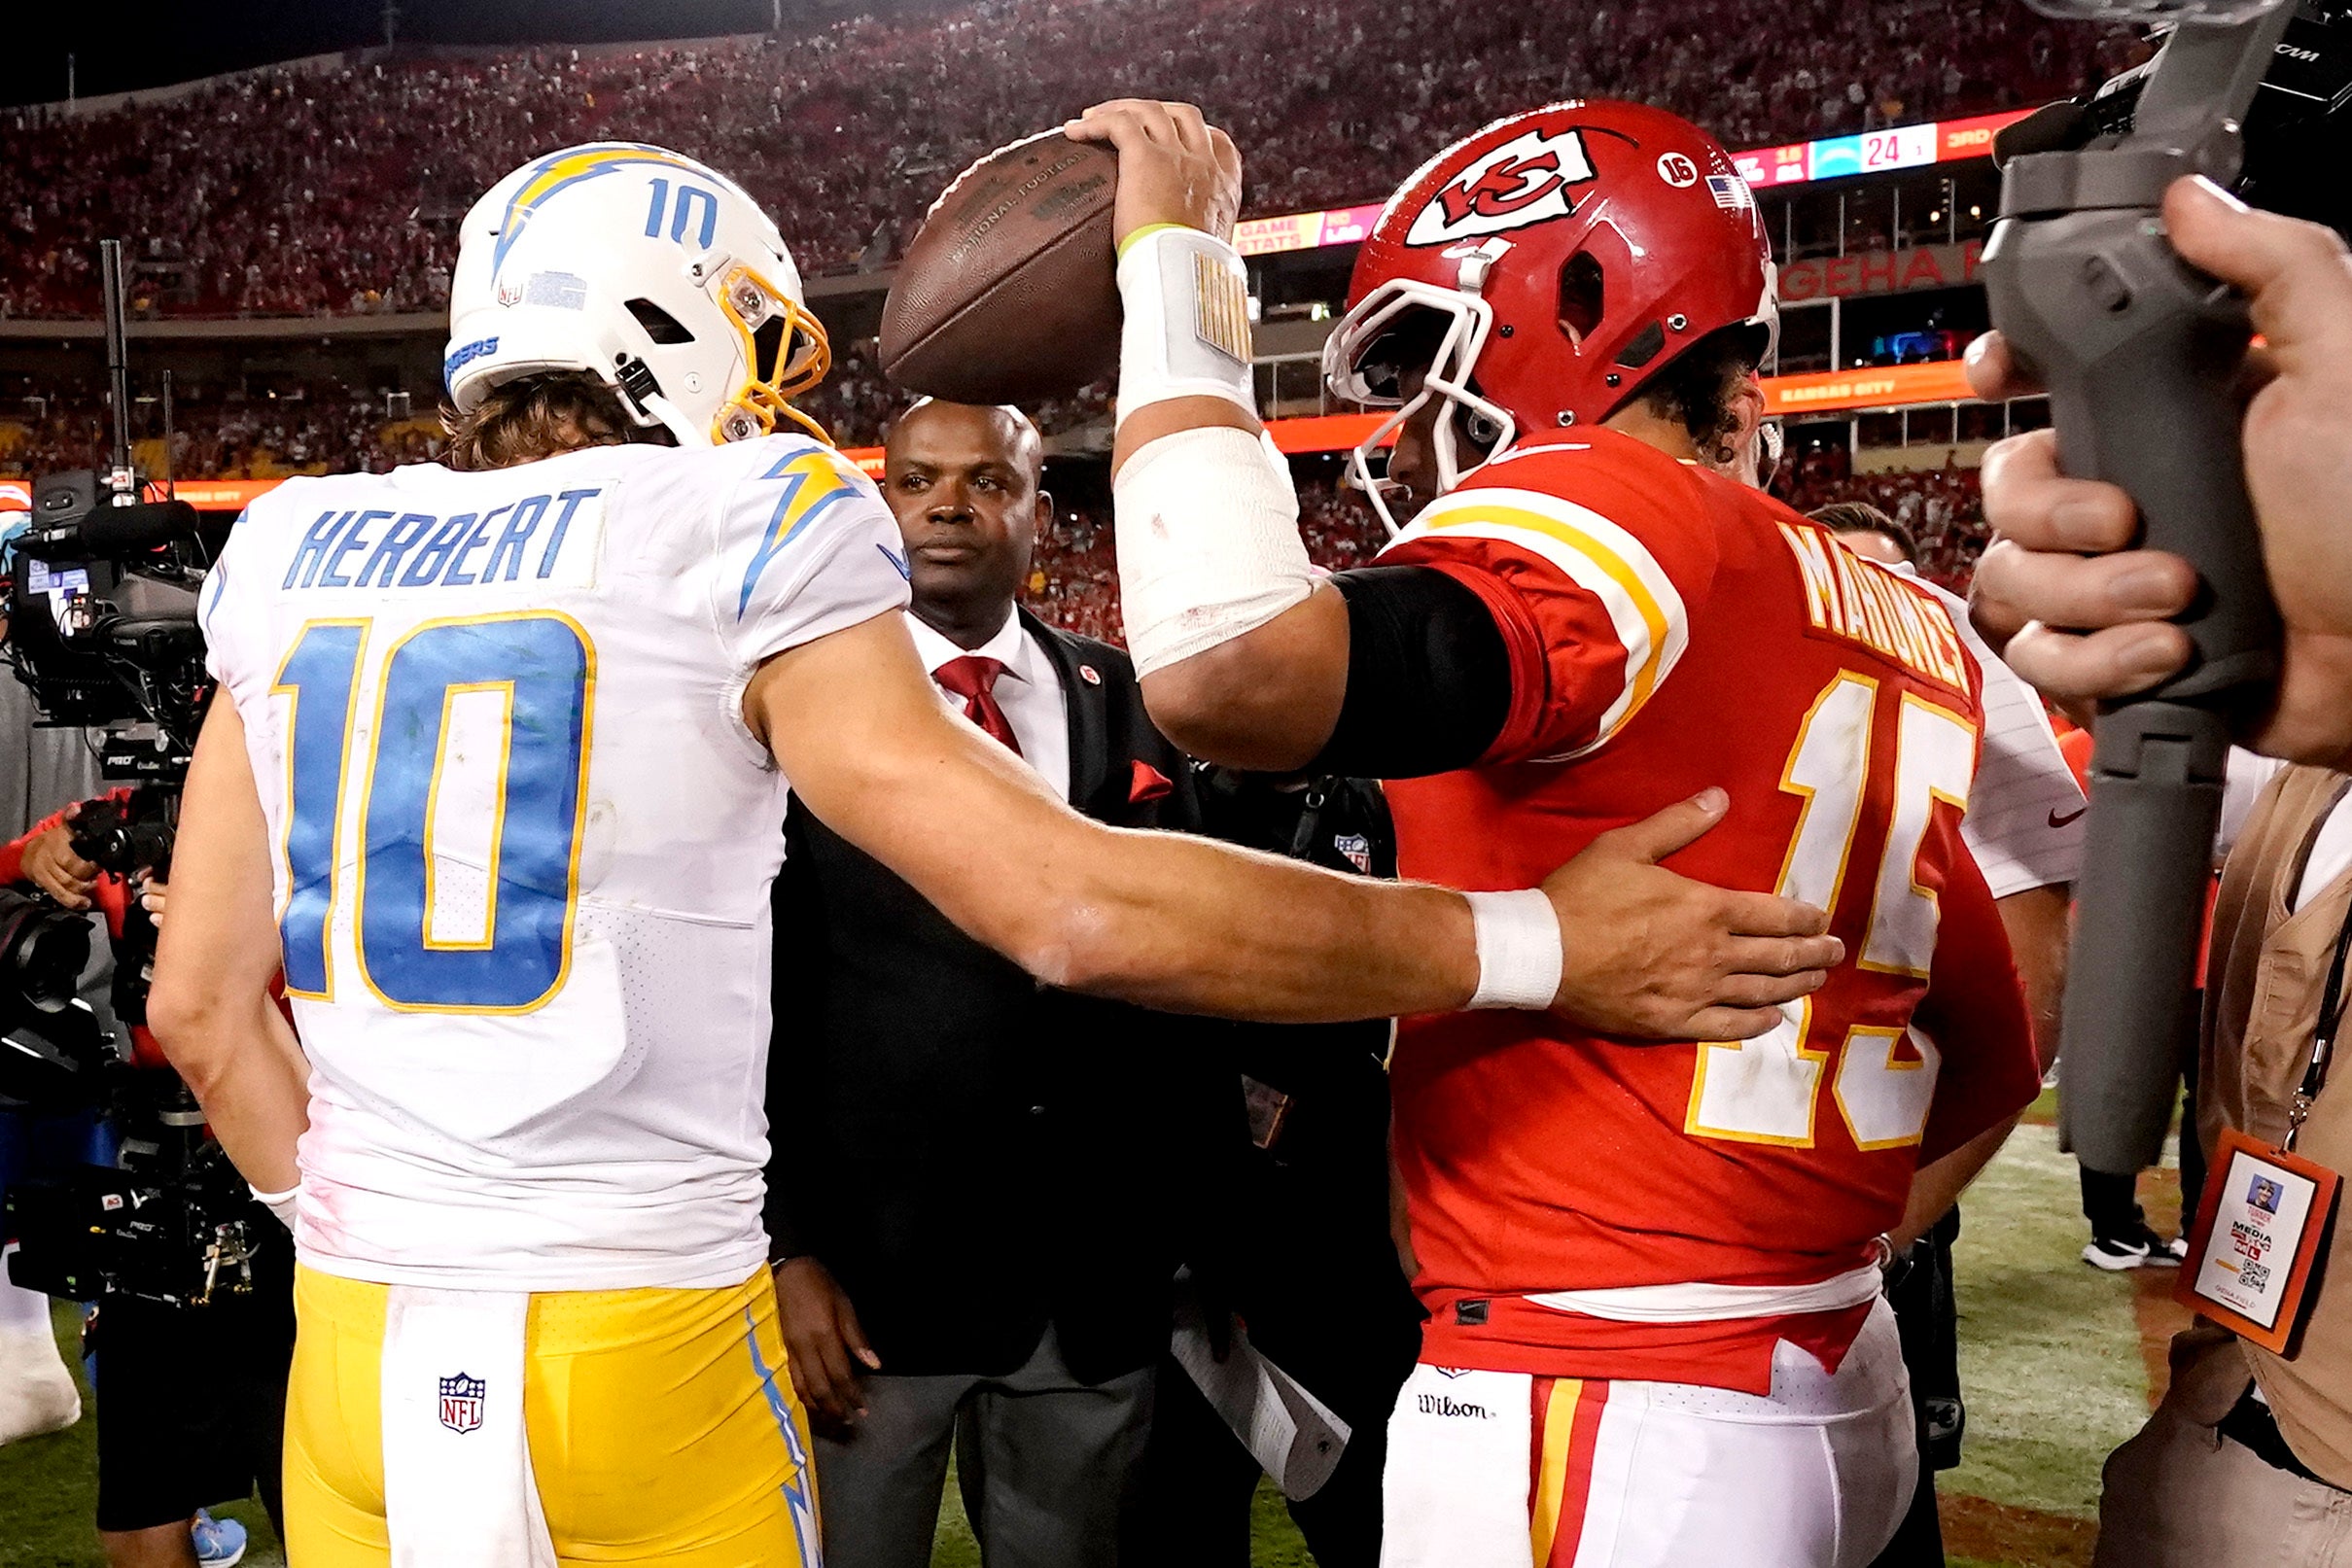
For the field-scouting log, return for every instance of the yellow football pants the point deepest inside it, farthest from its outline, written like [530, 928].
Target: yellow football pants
[663, 1428]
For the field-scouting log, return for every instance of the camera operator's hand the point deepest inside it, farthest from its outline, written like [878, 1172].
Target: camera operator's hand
[2060, 557]
[50, 865]
[151, 890]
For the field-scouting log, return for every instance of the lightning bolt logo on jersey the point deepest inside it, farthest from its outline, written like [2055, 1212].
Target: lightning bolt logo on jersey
[495, 721]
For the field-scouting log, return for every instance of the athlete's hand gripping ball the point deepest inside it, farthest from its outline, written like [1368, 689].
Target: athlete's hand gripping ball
[1174, 167]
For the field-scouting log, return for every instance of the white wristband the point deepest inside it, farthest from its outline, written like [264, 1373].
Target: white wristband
[1519, 953]
[1187, 321]
[280, 1204]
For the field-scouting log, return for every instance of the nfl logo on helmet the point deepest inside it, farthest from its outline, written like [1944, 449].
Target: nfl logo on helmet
[462, 1402]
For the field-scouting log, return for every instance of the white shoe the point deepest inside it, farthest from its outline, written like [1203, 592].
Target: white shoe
[2143, 1249]
[37, 1394]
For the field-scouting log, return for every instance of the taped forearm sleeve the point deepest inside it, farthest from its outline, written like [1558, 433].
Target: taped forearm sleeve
[1207, 542]
[1186, 332]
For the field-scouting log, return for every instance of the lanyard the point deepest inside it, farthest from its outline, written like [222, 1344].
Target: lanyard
[2323, 1036]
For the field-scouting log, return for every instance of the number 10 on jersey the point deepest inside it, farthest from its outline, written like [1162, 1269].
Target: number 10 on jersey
[540, 671]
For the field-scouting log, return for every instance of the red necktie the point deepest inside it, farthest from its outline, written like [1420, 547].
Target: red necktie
[973, 678]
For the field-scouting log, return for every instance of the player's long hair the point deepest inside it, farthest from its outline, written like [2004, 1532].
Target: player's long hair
[539, 416]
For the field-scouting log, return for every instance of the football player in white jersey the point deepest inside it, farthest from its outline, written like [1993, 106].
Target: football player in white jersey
[499, 779]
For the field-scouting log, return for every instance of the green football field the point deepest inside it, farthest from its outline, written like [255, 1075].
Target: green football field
[2056, 1359]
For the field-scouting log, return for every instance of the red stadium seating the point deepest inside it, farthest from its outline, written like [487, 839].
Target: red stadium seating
[327, 192]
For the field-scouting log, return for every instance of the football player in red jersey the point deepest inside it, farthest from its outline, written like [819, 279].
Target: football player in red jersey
[1657, 1335]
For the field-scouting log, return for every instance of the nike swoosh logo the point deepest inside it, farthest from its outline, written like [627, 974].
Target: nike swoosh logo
[2055, 820]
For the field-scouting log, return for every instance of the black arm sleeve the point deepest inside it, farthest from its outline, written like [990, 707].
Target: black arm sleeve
[1428, 677]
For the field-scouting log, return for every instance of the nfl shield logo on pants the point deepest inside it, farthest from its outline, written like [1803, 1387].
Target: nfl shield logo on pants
[462, 1402]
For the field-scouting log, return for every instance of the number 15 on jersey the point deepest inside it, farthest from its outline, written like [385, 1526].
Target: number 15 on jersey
[1767, 1089]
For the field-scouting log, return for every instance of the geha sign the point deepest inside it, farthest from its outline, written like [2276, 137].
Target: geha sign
[1841, 277]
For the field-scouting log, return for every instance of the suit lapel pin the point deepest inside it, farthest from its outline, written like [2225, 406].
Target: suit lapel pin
[1088, 674]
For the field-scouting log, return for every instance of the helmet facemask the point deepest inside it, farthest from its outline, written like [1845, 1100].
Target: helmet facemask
[1471, 422]
[786, 351]
[1364, 362]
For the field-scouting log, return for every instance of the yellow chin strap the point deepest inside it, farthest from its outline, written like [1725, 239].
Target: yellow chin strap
[751, 301]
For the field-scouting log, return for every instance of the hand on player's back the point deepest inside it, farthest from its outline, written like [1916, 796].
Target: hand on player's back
[1653, 954]
[2088, 613]
[1173, 167]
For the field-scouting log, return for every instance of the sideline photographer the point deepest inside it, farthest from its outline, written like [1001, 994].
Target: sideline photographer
[2249, 1455]
[193, 1331]
[191, 1395]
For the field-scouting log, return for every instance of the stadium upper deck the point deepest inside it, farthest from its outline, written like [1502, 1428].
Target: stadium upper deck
[335, 189]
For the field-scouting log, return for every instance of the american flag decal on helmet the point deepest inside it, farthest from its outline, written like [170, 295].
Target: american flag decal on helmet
[1730, 193]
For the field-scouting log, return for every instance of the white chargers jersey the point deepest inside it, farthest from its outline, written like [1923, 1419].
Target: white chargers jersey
[526, 842]
[2024, 824]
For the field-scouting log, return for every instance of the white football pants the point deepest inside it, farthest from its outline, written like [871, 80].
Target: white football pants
[1504, 1470]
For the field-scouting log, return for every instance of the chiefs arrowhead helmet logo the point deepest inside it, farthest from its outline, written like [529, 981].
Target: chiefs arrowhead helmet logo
[1524, 181]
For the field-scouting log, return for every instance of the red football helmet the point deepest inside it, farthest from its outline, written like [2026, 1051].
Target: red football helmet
[1544, 270]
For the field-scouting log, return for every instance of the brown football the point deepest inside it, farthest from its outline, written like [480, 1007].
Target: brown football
[1010, 293]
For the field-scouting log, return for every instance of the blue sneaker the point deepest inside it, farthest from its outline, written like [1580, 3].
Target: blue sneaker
[219, 1542]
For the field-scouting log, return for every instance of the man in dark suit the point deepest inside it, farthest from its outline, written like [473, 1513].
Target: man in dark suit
[1299, 1247]
[978, 1185]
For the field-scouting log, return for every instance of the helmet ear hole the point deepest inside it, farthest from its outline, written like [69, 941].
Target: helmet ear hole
[661, 326]
[1581, 299]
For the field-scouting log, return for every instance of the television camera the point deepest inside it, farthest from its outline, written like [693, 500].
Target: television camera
[101, 605]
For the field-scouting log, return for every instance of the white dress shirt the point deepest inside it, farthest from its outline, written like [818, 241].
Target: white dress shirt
[1030, 691]
[2331, 853]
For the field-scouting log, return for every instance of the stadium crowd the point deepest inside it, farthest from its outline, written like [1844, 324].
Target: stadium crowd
[327, 428]
[305, 192]
[855, 401]
[1941, 508]
[330, 427]
[321, 429]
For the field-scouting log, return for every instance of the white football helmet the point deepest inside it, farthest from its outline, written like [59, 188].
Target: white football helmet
[646, 269]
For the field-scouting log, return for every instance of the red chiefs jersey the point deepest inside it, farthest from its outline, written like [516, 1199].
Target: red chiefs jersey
[1669, 630]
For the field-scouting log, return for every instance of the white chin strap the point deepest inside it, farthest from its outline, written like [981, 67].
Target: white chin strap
[675, 422]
